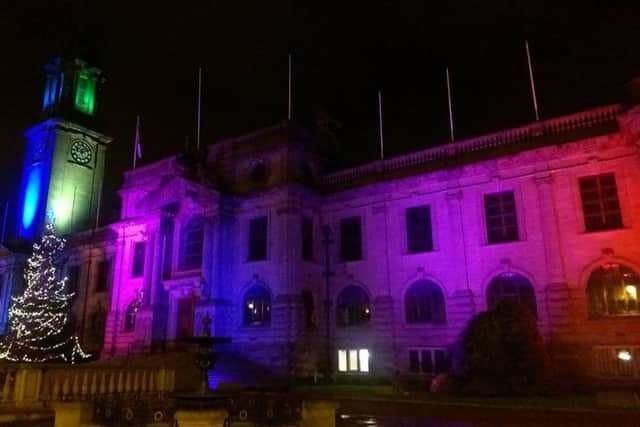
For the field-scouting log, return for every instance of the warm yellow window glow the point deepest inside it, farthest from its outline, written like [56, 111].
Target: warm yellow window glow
[353, 360]
[342, 360]
[364, 360]
[624, 355]
[631, 291]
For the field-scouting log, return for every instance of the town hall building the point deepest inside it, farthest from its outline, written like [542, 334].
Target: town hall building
[368, 271]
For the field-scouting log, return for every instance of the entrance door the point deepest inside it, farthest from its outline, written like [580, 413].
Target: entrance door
[186, 309]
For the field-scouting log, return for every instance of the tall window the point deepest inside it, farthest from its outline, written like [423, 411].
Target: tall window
[137, 269]
[424, 303]
[85, 92]
[73, 277]
[353, 307]
[257, 307]
[258, 239]
[167, 227]
[130, 316]
[613, 291]
[428, 361]
[104, 268]
[307, 239]
[419, 237]
[511, 287]
[502, 222]
[350, 239]
[192, 241]
[600, 204]
[98, 321]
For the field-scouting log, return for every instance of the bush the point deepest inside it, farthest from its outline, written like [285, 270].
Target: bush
[501, 352]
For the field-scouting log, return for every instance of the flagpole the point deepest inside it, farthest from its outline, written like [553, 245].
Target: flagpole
[136, 141]
[380, 125]
[533, 85]
[450, 107]
[289, 110]
[199, 105]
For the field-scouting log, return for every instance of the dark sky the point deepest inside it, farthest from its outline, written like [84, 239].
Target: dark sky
[583, 53]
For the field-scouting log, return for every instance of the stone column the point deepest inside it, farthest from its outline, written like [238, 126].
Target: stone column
[208, 418]
[156, 269]
[557, 302]
[319, 413]
[208, 257]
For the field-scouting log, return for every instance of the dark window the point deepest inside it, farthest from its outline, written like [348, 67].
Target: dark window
[130, 316]
[258, 239]
[73, 277]
[307, 239]
[428, 361]
[257, 307]
[419, 237]
[511, 287]
[97, 321]
[104, 268]
[353, 307]
[138, 259]
[424, 303]
[191, 244]
[167, 227]
[613, 291]
[259, 173]
[350, 239]
[600, 202]
[502, 222]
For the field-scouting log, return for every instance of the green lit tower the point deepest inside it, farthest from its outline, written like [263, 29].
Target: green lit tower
[64, 161]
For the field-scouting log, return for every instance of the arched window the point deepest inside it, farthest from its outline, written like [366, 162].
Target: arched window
[613, 291]
[511, 287]
[130, 316]
[257, 307]
[424, 303]
[353, 307]
[192, 239]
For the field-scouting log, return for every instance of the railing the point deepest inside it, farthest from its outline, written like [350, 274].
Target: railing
[24, 384]
[551, 128]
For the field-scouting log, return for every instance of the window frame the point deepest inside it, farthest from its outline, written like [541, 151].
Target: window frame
[103, 274]
[433, 360]
[137, 269]
[361, 320]
[354, 257]
[186, 261]
[607, 313]
[408, 233]
[604, 226]
[361, 354]
[265, 296]
[436, 286]
[492, 302]
[307, 238]
[251, 256]
[490, 229]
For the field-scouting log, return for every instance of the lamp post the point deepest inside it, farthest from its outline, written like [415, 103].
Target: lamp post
[327, 241]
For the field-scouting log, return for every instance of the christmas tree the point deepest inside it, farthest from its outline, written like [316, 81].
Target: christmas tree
[41, 329]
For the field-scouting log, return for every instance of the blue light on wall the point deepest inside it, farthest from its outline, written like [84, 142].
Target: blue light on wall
[31, 197]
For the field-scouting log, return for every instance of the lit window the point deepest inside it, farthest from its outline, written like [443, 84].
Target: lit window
[257, 307]
[85, 92]
[353, 360]
[613, 291]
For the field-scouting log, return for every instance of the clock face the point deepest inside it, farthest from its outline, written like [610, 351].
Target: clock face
[81, 152]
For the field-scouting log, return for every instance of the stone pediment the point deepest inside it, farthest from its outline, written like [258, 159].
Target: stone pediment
[176, 189]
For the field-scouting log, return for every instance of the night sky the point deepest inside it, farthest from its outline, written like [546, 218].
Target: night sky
[583, 53]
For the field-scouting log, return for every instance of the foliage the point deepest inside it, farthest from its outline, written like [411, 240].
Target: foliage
[41, 329]
[501, 352]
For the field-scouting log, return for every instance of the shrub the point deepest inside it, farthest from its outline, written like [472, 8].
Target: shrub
[501, 352]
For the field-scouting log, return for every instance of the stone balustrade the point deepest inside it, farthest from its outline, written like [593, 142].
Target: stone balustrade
[552, 129]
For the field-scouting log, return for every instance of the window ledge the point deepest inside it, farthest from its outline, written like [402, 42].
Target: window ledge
[425, 324]
[614, 317]
[606, 230]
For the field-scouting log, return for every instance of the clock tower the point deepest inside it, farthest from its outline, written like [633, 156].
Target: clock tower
[64, 161]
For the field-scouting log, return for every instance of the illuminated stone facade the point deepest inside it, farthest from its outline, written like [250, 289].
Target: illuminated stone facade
[546, 214]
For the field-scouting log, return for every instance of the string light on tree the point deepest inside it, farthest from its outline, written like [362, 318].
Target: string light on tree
[41, 329]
